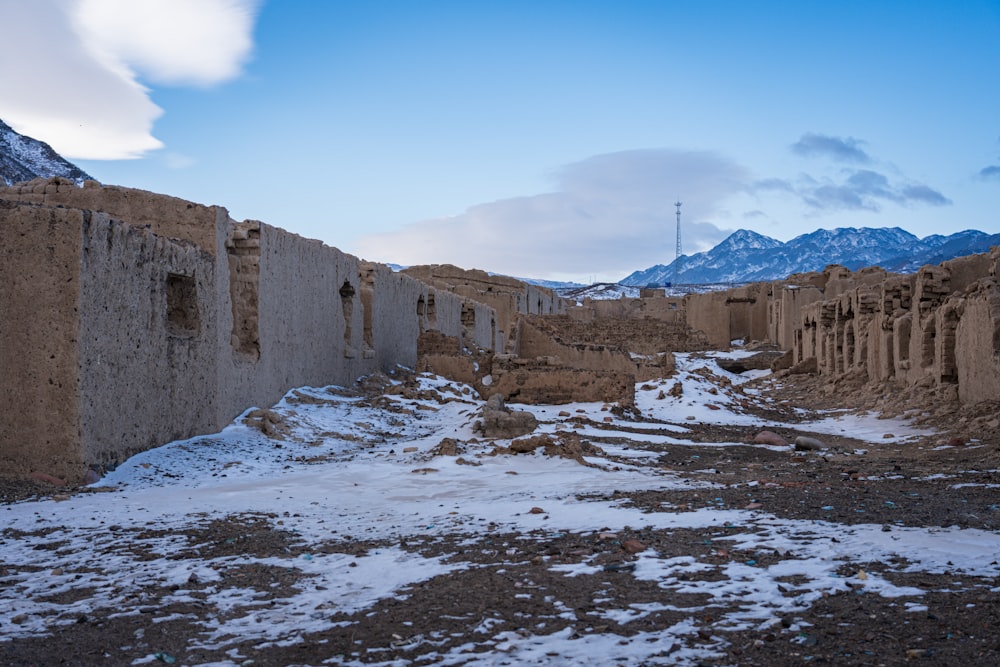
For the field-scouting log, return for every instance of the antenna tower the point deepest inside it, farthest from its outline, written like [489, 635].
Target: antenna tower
[677, 255]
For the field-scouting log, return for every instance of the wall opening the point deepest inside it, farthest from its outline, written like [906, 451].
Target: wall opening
[243, 251]
[948, 361]
[903, 338]
[182, 305]
[468, 316]
[347, 305]
[431, 312]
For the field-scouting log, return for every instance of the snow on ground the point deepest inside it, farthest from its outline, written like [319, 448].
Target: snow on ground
[350, 469]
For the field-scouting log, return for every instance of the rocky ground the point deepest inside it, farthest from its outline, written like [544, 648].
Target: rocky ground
[515, 587]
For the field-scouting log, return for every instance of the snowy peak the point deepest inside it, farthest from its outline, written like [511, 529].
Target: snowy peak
[23, 159]
[745, 239]
[746, 256]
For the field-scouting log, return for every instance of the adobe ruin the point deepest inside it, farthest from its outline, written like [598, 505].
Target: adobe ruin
[131, 319]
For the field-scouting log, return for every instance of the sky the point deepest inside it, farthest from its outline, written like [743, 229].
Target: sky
[546, 139]
[342, 487]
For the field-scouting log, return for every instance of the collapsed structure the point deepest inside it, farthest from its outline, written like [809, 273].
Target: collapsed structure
[130, 319]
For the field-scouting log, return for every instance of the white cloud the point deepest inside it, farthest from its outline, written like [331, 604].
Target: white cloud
[71, 67]
[609, 215]
[200, 42]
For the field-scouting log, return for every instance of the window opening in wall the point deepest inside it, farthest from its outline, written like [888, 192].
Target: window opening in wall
[431, 312]
[903, 328]
[468, 316]
[347, 304]
[243, 250]
[182, 305]
[927, 344]
[368, 316]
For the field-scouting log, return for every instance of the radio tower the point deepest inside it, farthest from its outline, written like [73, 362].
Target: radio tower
[677, 256]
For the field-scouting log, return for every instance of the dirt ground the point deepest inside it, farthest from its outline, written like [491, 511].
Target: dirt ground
[892, 485]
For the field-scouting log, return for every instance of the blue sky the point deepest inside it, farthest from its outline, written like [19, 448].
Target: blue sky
[544, 139]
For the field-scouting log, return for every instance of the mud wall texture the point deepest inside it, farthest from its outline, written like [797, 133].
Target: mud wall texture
[506, 297]
[39, 356]
[131, 319]
[938, 328]
[147, 354]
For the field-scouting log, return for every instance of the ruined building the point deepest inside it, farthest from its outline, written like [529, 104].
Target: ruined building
[129, 319]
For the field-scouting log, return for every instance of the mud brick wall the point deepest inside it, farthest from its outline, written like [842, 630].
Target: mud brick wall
[147, 345]
[39, 335]
[939, 327]
[132, 319]
[163, 215]
[641, 336]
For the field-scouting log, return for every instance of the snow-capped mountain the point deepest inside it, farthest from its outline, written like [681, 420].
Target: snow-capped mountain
[23, 158]
[746, 256]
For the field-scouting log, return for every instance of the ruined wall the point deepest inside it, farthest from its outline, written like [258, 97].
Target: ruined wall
[937, 328]
[505, 297]
[163, 215]
[655, 307]
[149, 338]
[736, 314]
[147, 343]
[39, 355]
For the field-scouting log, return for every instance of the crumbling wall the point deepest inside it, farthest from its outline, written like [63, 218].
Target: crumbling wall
[506, 297]
[740, 313]
[937, 328]
[39, 335]
[163, 215]
[148, 327]
[149, 338]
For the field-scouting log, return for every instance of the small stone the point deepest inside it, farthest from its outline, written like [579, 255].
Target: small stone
[712, 406]
[633, 546]
[888, 435]
[805, 443]
[753, 506]
[536, 510]
[408, 450]
[57, 572]
[770, 438]
[956, 442]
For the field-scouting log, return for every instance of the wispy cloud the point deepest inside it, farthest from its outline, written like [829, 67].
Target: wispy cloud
[850, 189]
[72, 68]
[608, 214]
[990, 173]
[821, 145]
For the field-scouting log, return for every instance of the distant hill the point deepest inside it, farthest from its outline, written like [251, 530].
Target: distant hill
[747, 256]
[23, 159]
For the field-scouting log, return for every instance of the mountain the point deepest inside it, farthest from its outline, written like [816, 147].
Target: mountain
[746, 256]
[23, 159]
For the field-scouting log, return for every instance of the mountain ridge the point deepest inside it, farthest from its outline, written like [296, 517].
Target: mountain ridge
[747, 256]
[23, 158]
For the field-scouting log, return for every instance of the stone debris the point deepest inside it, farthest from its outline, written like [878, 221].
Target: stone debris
[268, 422]
[770, 438]
[499, 421]
[804, 443]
